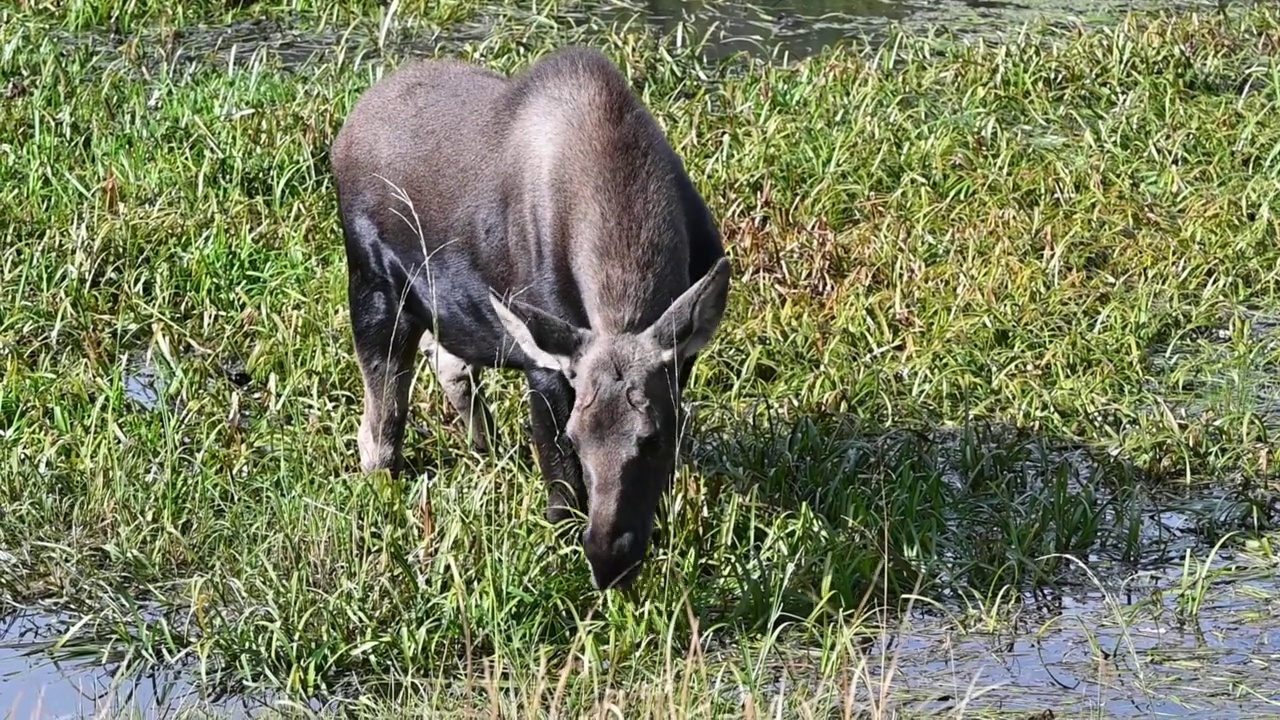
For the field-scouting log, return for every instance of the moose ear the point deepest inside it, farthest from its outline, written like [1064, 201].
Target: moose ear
[687, 326]
[549, 341]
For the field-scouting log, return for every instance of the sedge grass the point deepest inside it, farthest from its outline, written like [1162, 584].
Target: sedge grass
[980, 290]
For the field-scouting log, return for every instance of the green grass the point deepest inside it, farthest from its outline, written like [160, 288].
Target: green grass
[975, 328]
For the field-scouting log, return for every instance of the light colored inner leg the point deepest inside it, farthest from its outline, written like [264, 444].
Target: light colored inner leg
[461, 385]
[387, 387]
[376, 452]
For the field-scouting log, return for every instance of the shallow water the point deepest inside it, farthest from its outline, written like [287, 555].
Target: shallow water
[780, 29]
[1111, 655]
[1118, 649]
[34, 684]
[142, 383]
[802, 27]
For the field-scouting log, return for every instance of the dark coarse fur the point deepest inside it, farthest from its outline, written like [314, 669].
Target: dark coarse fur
[557, 191]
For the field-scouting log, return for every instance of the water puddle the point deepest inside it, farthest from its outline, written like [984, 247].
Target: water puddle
[1152, 645]
[798, 28]
[143, 384]
[37, 680]
[1127, 652]
[804, 27]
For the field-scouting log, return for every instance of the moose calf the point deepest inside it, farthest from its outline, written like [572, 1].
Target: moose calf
[543, 223]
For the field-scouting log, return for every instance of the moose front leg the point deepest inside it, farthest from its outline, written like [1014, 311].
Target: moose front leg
[386, 344]
[550, 402]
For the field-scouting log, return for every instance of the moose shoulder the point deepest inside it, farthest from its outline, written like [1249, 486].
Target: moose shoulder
[543, 223]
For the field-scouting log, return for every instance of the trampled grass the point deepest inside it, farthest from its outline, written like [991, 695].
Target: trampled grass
[990, 298]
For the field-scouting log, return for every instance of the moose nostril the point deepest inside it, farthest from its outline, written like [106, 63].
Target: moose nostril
[621, 546]
[625, 545]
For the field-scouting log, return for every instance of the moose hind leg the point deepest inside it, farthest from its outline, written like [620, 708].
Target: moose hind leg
[386, 344]
[461, 384]
[550, 402]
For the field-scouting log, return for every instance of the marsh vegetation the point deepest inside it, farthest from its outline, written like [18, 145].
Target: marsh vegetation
[999, 377]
